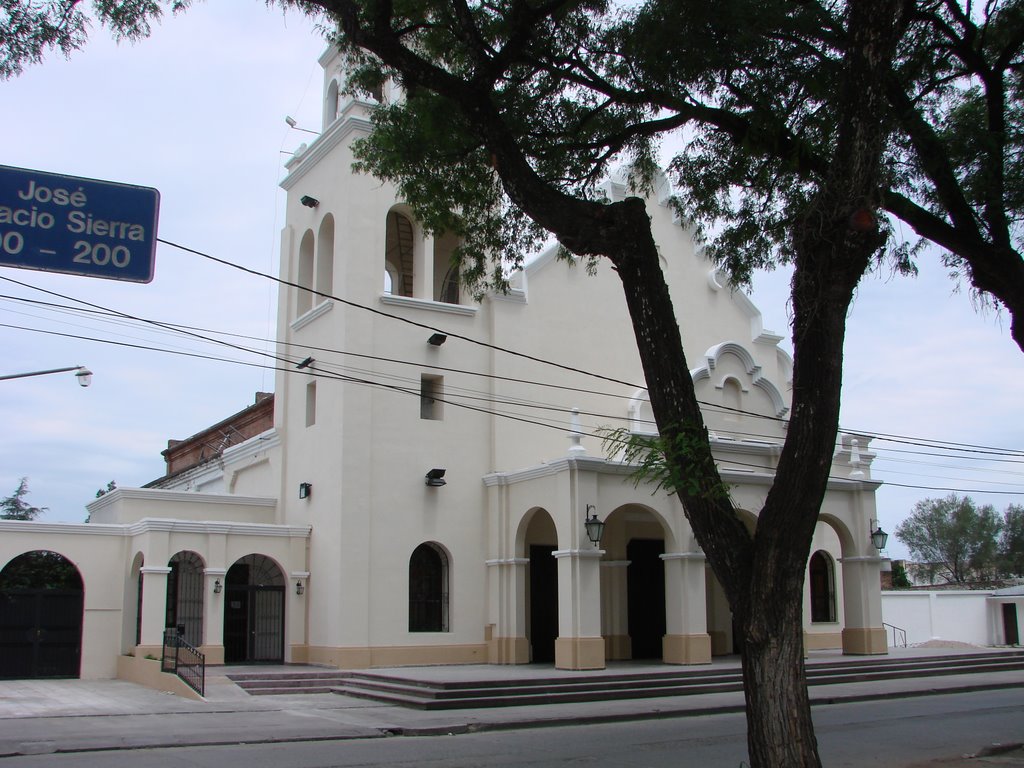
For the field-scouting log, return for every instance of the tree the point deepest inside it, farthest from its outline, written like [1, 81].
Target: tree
[952, 538]
[900, 579]
[822, 114]
[14, 507]
[1011, 541]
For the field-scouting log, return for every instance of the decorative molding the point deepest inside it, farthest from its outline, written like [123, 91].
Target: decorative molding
[188, 497]
[307, 157]
[683, 556]
[757, 378]
[616, 563]
[299, 575]
[157, 569]
[583, 554]
[308, 317]
[433, 306]
[215, 572]
[508, 561]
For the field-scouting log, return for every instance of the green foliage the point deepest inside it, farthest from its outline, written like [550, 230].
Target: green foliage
[900, 579]
[1011, 541]
[14, 507]
[683, 472]
[40, 569]
[952, 538]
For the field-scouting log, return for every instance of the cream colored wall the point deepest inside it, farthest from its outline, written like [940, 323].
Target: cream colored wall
[128, 505]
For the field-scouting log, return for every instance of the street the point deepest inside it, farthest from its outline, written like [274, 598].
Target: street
[895, 734]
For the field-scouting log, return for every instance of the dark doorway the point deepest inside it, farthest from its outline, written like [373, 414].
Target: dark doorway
[254, 612]
[41, 601]
[1011, 633]
[645, 591]
[543, 602]
[428, 590]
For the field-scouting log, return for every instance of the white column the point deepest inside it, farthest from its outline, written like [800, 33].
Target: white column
[863, 632]
[615, 609]
[507, 643]
[579, 644]
[686, 638]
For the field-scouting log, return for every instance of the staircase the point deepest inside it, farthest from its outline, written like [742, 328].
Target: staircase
[405, 690]
[277, 683]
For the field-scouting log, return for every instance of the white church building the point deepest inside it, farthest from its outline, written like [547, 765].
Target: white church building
[421, 494]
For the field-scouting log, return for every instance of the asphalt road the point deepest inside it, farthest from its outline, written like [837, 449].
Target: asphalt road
[895, 734]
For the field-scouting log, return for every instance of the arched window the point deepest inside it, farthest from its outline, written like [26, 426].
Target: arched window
[732, 399]
[823, 588]
[446, 271]
[428, 589]
[325, 260]
[398, 253]
[303, 297]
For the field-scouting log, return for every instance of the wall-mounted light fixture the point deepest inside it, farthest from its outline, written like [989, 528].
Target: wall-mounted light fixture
[294, 125]
[299, 589]
[595, 527]
[435, 478]
[309, 202]
[878, 536]
[217, 586]
[437, 339]
[305, 490]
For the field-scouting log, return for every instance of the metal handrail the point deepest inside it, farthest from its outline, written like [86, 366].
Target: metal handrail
[900, 640]
[184, 660]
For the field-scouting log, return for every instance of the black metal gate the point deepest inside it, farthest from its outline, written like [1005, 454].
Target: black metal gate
[254, 624]
[40, 633]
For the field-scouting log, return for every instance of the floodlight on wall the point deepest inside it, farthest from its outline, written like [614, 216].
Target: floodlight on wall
[305, 363]
[299, 589]
[217, 586]
[595, 527]
[305, 490]
[435, 478]
[309, 202]
[878, 536]
[437, 339]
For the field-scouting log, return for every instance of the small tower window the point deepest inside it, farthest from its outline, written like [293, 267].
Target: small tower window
[430, 397]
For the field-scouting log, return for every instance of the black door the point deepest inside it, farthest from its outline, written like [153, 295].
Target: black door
[543, 602]
[645, 591]
[1010, 629]
[254, 612]
[41, 600]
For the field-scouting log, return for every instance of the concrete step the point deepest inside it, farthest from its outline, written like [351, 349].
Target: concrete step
[286, 683]
[395, 688]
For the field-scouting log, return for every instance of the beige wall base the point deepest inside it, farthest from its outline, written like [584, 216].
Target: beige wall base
[396, 656]
[686, 649]
[822, 641]
[142, 651]
[866, 641]
[508, 650]
[720, 645]
[214, 653]
[579, 653]
[142, 671]
[618, 647]
[298, 654]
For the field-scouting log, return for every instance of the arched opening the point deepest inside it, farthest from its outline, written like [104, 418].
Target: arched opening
[732, 399]
[635, 537]
[254, 611]
[822, 582]
[428, 589]
[332, 104]
[398, 253]
[41, 611]
[304, 279]
[325, 260]
[185, 596]
[132, 630]
[540, 543]
[446, 271]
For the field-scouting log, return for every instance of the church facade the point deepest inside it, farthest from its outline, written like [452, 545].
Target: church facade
[421, 494]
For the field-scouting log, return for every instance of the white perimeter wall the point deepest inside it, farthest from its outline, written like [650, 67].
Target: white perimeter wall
[940, 615]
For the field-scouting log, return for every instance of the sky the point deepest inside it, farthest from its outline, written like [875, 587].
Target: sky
[197, 111]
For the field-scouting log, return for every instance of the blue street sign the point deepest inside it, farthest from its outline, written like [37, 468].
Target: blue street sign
[77, 226]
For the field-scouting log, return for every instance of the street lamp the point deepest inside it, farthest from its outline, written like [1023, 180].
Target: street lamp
[84, 375]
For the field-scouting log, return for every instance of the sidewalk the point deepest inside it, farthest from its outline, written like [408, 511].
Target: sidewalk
[46, 716]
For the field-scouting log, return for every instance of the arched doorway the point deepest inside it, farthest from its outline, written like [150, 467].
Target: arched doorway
[645, 592]
[254, 611]
[185, 596]
[41, 602]
[542, 593]
[428, 589]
